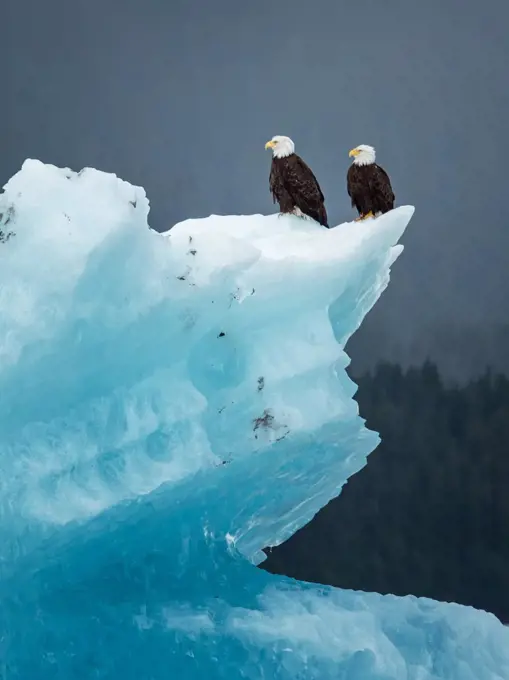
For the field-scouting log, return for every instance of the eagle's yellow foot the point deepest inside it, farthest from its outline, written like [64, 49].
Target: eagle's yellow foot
[364, 217]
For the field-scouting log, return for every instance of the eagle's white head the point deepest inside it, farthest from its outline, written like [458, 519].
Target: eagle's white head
[363, 154]
[281, 146]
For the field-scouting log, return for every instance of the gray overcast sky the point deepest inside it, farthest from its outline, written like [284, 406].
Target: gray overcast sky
[181, 96]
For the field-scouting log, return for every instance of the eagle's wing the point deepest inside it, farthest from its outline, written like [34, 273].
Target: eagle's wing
[307, 180]
[306, 191]
[383, 187]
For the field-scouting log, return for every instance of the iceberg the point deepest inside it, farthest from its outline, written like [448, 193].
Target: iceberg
[171, 404]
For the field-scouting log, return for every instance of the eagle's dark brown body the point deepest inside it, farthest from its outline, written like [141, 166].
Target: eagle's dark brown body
[293, 184]
[370, 189]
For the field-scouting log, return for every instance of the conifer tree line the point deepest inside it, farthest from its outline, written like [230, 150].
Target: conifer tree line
[429, 514]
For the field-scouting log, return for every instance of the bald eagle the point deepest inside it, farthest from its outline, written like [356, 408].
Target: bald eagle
[293, 184]
[368, 184]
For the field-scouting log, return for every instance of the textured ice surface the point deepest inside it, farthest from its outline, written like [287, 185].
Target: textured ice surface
[169, 405]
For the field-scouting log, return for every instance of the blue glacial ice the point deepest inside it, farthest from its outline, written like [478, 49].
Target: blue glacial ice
[170, 404]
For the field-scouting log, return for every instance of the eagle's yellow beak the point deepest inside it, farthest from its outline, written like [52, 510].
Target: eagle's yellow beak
[353, 153]
[270, 144]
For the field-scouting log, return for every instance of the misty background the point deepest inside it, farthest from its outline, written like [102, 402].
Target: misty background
[180, 97]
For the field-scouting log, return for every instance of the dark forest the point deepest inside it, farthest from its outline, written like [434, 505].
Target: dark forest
[429, 514]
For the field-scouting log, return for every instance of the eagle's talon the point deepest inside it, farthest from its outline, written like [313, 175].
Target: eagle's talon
[361, 218]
